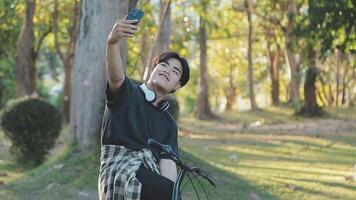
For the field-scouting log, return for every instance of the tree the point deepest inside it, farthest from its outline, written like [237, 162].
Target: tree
[202, 110]
[165, 29]
[320, 27]
[269, 13]
[10, 19]
[25, 63]
[331, 25]
[310, 107]
[161, 40]
[88, 78]
[291, 55]
[281, 14]
[274, 57]
[249, 56]
[28, 47]
[65, 40]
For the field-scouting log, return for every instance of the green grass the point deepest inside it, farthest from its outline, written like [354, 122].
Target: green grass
[50, 182]
[229, 186]
[67, 174]
[273, 165]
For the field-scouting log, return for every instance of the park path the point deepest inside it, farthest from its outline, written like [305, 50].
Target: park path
[323, 126]
[314, 126]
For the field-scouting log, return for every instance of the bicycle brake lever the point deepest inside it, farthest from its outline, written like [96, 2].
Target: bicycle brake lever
[173, 156]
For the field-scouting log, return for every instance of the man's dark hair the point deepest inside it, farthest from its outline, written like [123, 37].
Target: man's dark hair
[164, 57]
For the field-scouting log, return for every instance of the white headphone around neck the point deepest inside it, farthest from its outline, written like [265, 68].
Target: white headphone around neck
[150, 97]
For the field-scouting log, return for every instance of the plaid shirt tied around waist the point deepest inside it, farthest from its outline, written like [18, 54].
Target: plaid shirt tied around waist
[117, 176]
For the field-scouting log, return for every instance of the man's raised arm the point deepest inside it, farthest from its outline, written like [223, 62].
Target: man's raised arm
[114, 66]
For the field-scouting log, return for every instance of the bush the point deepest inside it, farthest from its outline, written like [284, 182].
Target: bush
[32, 125]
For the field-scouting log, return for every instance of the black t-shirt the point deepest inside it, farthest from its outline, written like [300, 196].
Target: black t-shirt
[129, 120]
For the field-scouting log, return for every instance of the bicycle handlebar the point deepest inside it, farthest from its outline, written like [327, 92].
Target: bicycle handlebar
[166, 149]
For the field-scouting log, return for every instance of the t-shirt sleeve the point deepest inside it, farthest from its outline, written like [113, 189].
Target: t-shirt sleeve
[114, 99]
[172, 139]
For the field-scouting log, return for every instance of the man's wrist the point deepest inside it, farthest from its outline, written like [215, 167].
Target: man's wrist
[112, 42]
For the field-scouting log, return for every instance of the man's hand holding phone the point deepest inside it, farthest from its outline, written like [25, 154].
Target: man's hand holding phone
[122, 28]
[125, 27]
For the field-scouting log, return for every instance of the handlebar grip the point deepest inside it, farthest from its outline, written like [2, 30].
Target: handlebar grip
[161, 147]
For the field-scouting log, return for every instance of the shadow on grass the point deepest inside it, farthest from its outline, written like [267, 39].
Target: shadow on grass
[329, 184]
[72, 175]
[229, 186]
[78, 176]
[328, 191]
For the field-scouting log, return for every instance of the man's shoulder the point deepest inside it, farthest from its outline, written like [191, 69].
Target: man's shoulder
[169, 115]
[133, 81]
[170, 119]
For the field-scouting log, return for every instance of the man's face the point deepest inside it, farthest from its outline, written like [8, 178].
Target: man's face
[166, 75]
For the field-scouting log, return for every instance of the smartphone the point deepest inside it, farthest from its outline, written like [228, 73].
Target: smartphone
[135, 14]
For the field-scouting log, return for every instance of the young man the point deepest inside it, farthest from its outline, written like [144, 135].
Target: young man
[130, 169]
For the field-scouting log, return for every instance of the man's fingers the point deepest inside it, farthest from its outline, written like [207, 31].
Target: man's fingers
[127, 26]
[126, 34]
[129, 21]
[127, 30]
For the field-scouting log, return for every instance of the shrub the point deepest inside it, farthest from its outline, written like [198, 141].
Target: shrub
[32, 125]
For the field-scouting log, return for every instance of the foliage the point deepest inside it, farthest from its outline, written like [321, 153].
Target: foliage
[330, 24]
[10, 24]
[32, 125]
[326, 24]
[9, 31]
[7, 80]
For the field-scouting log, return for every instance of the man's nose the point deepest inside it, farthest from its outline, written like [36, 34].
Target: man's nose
[167, 72]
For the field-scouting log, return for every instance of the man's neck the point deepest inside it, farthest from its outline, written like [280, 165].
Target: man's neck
[159, 94]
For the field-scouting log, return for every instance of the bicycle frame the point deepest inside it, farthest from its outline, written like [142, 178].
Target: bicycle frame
[166, 149]
[177, 184]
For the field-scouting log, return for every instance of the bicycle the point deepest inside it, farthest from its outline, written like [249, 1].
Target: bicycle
[184, 170]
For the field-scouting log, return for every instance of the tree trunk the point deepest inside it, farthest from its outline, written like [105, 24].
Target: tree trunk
[274, 70]
[231, 95]
[161, 41]
[163, 37]
[97, 19]
[344, 85]
[291, 57]
[203, 110]
[25, 54]
[144, 53]
[249, 55]
[331, 98]
[323, 95]
[67, 90]
[311, 107]
[230, 92]
[338, 55]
